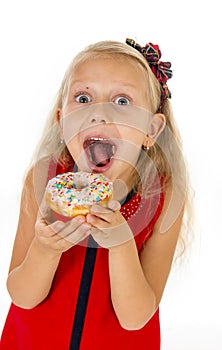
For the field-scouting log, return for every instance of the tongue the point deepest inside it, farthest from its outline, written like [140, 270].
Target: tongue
[100, 153]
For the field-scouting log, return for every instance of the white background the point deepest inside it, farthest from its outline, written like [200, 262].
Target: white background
[38, 40]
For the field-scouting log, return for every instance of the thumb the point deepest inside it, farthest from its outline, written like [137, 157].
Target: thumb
[46, 212]
[114, 205]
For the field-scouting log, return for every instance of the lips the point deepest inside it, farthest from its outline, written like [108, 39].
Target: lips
[100, 152]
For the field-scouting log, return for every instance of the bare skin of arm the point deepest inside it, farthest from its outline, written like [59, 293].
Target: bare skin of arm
[138, 281]
[38, 248]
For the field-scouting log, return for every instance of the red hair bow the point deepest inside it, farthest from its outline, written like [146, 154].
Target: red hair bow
[160, 69]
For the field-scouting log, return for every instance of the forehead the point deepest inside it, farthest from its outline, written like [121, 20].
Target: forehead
[114, 67]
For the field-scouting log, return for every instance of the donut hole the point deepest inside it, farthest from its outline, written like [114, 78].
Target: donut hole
[79, 185]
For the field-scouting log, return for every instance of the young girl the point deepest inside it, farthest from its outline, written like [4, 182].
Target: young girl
[96, 281]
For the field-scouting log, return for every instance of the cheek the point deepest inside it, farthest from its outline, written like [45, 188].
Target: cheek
[128, 152]
[71, 125]
[132, 135]
[74, 147]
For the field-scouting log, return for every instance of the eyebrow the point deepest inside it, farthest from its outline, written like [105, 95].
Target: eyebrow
[126, 84]
[119, 82]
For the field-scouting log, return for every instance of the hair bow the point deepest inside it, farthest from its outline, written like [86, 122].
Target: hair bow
[160, 69]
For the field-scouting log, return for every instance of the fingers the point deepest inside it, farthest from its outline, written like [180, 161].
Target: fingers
[75, 230]
[106, 214]
[64, 228]
[54, 234]
[79, 234]
[114, 205]
[109, 237]
[46, 212]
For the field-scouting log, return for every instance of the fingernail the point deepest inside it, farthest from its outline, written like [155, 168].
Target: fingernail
[114, 205]
[80, 219]
[88, 218]
[95, 208]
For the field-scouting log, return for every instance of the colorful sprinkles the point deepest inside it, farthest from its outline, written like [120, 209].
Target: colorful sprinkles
[74, 190]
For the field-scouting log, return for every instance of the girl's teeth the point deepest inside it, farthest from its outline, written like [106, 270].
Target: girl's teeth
[97, 138]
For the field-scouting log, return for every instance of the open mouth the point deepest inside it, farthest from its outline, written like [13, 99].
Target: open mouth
[100, 151]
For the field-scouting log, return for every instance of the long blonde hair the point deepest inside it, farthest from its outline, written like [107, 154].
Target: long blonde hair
[166, 154]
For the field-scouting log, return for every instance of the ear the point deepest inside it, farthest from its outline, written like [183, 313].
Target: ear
[155, 128]
[59, 121]
[58, 115]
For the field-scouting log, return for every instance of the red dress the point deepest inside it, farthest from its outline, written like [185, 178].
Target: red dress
[49, 325]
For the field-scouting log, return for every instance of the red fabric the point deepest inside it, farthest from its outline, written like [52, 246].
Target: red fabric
[49, 325]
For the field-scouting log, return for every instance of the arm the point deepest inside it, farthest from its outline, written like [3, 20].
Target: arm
[132, 296]
[137, 282]
[37, 249]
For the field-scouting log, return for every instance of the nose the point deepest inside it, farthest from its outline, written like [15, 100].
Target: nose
[98, 119]
[100, 113]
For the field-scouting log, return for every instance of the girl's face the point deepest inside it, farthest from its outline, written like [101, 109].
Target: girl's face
[101, 93]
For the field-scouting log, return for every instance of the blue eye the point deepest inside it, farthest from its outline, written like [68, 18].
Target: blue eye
[83, 98]
[122, 101]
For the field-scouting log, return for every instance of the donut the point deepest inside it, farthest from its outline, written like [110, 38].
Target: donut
[72, 194]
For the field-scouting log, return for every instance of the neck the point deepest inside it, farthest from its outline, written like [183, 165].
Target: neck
[122, 187]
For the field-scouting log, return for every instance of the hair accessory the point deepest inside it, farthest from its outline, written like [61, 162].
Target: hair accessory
[160, 69]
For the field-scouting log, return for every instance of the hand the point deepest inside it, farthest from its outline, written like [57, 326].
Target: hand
[59, 236]
[109, 228]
